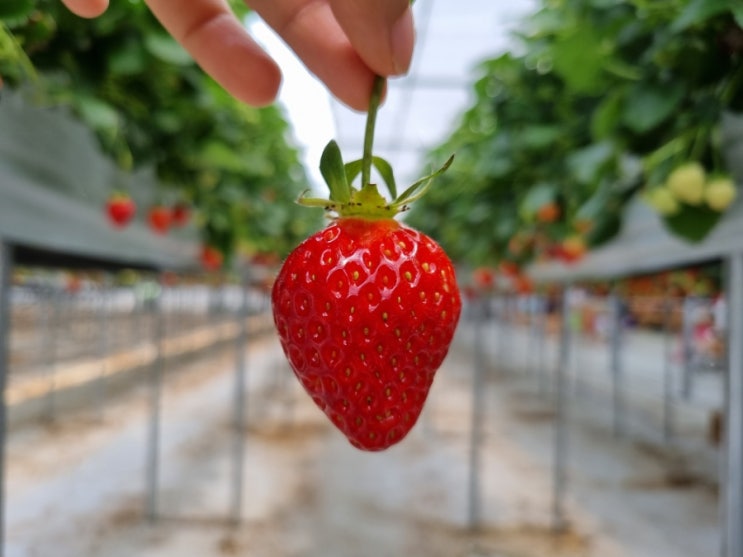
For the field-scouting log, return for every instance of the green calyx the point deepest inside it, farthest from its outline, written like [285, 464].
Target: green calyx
[366, 201]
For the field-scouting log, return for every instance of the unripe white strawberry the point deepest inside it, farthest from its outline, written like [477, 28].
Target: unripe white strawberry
[720, 193]
[687, 183]
[663, 201]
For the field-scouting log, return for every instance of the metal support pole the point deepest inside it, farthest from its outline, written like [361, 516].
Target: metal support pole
[542, 346]
[52, 331]
[617, 375]
[152, 470]
[559, 519]
[732, 481]
[239, 408]
[103, 311]
[476, 434]
[687, 343]
[6, 263]
[668, 416]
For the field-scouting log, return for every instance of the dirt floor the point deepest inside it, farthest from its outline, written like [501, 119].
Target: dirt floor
[77, 487]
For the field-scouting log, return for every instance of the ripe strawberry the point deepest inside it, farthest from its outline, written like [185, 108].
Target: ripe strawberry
[484, 278]
[120, 209]
[572, 249]
[366, 309]
[211, 258]
[159, 218]
[549, 212]
[179, 214]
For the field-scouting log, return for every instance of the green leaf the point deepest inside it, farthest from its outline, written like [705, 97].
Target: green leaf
[692, 223]
[647, 106]
[537, 197]
[98, 114]
[586, 163]
[738, 14]
[167, 49]
[419, 188]
[580, 60]
[353, 169]
[606, 117]
[16, 10]
[539, 137]
[699, 11]
[334, 172]
[385, 171]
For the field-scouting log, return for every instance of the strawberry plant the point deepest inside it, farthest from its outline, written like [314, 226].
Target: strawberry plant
[366, 308]
[599, 102]
[120, 209]
[152, 109]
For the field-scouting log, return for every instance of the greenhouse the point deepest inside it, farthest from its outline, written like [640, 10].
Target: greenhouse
[487, 304]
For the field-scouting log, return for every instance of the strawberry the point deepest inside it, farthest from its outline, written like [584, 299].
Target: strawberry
[120, 209]
[179, 214]
[160, 219]
[572, 249]
[211, 258]
[549, 212]
[484, 278]
[720, 193]
[366, 309]
[663, 201]
[686, 182]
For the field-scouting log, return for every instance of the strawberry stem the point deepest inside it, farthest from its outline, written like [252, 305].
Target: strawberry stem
[371, 120]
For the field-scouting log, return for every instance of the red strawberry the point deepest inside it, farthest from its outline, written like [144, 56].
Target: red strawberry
[484, 278]
[180, 214]
[366, 308]
[549, 212]
[120, 209]
[160, 219]
[211, 258]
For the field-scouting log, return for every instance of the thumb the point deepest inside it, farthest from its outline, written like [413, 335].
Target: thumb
[381, 31]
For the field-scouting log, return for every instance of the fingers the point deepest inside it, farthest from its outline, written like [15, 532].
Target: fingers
[86, 8]
[208, 30]
[309, 27]
[381, 30]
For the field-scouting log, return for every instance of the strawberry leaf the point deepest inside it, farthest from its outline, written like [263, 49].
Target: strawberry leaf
[419, 188]
[385, 170]
[353, 169]
[332, 169]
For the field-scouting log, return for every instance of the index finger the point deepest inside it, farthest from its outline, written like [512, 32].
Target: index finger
[211, 33]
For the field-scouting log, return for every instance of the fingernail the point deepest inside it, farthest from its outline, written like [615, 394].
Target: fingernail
[402, 37]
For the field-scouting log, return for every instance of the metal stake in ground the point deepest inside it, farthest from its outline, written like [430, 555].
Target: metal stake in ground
[474, 498]
[668, 416]
[239, 405]
[615, 347]
[152, 468]
[559, 519]
[6, 263]
[732, 488]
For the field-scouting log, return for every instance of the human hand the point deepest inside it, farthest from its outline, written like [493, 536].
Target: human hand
[343, 42]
